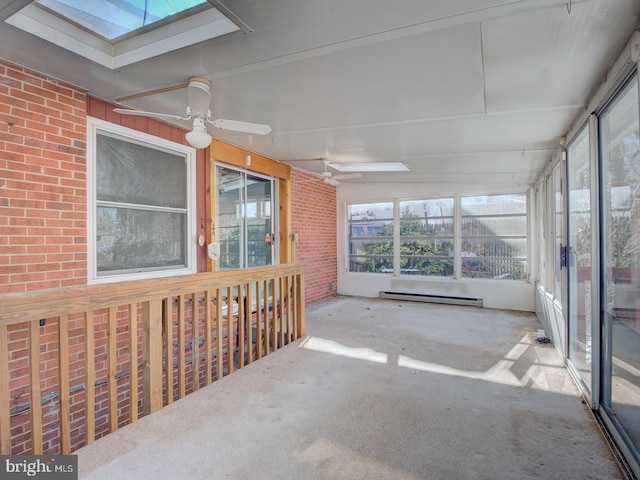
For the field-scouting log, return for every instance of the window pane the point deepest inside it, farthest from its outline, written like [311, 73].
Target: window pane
[498, 269]
[494, 247]
[558, 221]
[371, 238]
[425, 247]
[580, 290]
[426, 265]
[371, 264]
[426, 237]
[494, 236]
[494, 226]
[429, 208]
[130, 173]
[258, 219]
[621, 252]
[130, 239]
[514, 203]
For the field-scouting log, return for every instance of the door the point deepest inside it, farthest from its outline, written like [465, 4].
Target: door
[620, 292]
[244, 227]
[579, 258]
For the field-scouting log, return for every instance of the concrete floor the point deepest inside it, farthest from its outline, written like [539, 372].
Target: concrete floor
[378, 389]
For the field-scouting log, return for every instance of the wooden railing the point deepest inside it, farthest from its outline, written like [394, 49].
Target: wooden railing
[81, 362]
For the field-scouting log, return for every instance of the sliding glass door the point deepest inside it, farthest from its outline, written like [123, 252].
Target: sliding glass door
[244, 226]
[620, 295]
[579, 258]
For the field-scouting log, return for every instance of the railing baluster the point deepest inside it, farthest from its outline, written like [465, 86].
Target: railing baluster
[274, 315]
[5, 405]
[294, 291]
[63, 373]
[241, 327]
[288, 283]
[258, 322]
[133, 361]
[182, 355]
[195, 343]
[248, 320]
[230, 330]
[207, 337]
[152, 353]
[281, 310]
[267, 329]
[219, 330]
[301, 304]
[36, 396]
[90, 377]
[112, 369]
[167, 316]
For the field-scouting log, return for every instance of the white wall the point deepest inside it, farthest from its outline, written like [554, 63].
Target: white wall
[503, 294]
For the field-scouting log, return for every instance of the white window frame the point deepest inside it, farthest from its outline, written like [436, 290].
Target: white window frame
[526, 237]
[95, 126]
[457, 236]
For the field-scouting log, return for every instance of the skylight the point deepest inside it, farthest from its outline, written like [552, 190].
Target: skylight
[115, 33]
[112, 20]
[371, 167]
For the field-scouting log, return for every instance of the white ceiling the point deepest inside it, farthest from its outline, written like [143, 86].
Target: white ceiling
[460, 90]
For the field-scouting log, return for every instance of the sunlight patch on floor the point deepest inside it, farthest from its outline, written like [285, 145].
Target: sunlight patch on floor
[501, 372]
[329, 346]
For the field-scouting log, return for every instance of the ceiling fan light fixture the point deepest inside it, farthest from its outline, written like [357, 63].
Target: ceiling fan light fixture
[198, 137]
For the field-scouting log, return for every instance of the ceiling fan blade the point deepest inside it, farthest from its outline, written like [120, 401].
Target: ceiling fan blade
[333, 181]
[346, 176]
[199, 93]
[141, 113]
[246, 127]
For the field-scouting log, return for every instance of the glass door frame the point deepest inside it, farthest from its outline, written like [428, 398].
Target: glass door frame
[273, 235]
[593, 392]
[604, 407]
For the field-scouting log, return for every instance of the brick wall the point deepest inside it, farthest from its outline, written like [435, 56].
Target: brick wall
[43, 239]
[313, 218]
[43, 184]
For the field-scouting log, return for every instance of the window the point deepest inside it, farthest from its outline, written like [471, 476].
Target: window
[426, 237]
[420, 237]
[494, 236]
[371, 246]
[142, 198]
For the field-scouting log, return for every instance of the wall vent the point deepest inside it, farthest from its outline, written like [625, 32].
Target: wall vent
[443, 299]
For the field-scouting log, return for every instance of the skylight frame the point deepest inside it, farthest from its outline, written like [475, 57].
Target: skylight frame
[183, 32]
[194, 10]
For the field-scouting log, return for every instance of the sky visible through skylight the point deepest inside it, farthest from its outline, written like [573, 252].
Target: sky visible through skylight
[114, 18]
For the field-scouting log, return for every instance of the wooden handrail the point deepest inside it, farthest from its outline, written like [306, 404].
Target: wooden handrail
[26, 306]
[225, 320]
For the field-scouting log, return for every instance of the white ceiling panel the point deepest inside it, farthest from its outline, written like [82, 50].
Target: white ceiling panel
[541, 58]
[460, 90]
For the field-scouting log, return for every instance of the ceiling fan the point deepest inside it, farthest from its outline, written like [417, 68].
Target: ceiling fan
[198, 109]
[328, 177]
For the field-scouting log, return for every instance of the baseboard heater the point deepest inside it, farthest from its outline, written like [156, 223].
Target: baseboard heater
[443, 299]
